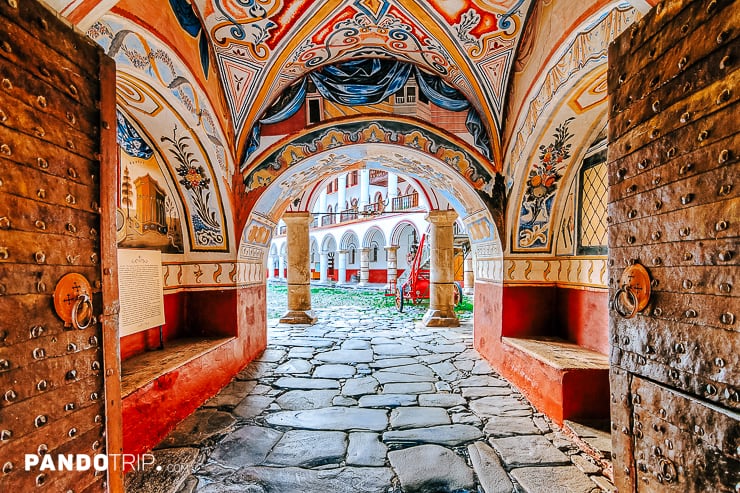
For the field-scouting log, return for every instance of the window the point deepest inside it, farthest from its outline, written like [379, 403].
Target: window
[352, 253]
[399, 97]
[373, 254]
[352, 178]
[410, 94]
[592, 227]
[314, 111]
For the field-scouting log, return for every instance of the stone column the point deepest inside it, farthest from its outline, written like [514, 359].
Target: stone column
[392, 267]
[299, 270]
[364, 188]
[392, 189]
[323, 266]
[468, 274]
[270, 266]
[342, 267]
[364, 266]
[441, 311]
[341, 195]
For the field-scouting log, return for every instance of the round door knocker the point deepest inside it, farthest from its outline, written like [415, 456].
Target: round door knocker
[73, 301]
[633, 294]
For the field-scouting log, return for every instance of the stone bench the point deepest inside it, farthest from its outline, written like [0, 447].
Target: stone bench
[562, 379]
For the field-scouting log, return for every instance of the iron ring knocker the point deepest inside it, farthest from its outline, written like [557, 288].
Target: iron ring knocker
[83, 300]
[632, 304]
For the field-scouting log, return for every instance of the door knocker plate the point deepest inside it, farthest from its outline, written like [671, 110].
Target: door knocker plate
[633, 294]
[73, 301]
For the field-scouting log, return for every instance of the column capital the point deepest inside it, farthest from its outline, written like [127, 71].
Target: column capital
[297, 217]
[441, 218]
[342, 252]
[392, 248]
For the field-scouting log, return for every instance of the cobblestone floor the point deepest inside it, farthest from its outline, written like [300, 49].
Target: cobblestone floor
[367, 400]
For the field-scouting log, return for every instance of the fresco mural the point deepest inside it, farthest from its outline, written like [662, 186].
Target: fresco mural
[372, 81]
[397, 131]
[151, 60]
[586, 49]
[185, 160]
[263, 47]
[542, 183]
[147, 215]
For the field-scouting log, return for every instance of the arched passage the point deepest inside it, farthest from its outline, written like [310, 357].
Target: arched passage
[286, 191]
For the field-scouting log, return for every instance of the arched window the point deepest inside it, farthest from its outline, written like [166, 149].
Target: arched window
[374, 251]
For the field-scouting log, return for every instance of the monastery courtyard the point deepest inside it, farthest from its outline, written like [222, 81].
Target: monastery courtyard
[368, 400]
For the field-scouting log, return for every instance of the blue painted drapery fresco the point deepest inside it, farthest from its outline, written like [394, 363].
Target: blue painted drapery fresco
[367, 82]
[129, 139]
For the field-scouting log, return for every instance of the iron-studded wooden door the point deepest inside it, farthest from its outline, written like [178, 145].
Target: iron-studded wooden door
[674, 208]
[57, 144]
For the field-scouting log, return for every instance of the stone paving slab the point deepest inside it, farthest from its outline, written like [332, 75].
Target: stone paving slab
[346, 356]
[441, 400]
[332, 418]
[306, 383]
[418, 417]
[334, 371]
[529, 450]
[295, 479]
[507, 426]
[366, 449]
[408, 388]
[452, 435]
[252, 405]
[564, 479]
[431, 468]
[387, 400]
[487, 465]
[198, 427]
[302, 448]
[247, 446]
[295, 400]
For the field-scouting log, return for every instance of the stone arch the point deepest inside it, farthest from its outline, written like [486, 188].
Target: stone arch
[289, 191]
[328, 243]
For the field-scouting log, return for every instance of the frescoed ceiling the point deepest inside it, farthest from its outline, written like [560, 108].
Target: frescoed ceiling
[527, 68]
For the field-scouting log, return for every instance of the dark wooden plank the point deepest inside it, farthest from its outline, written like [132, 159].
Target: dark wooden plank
[109, 264]
[623, 163]
[635, 105]
[715, 355]
[38, 155]
[31, 123]
[49, 249]
[709, 187]
[46, 28]
[56, 102]
[712, 99]
[677, 254]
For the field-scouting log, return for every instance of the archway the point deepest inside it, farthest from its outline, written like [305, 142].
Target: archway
[447, 187]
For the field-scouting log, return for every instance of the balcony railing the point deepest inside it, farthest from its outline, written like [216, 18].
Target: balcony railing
[347, 215]
[327, 219]
[315, 222]
[404, 202]
[374, 208]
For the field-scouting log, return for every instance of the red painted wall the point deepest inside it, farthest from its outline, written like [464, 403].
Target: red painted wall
[175, 327]
[154, 410]
[584, 317]
[579, 315]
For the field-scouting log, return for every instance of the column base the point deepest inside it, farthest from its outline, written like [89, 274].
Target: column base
[299, 317]
[440, 318]
[468, 291]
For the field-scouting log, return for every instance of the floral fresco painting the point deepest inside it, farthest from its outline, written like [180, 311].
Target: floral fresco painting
[539, 195]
